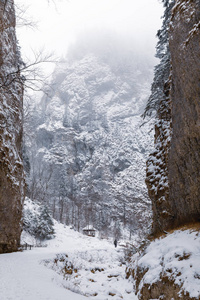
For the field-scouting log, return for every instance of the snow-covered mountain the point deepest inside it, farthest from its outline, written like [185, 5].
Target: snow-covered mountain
[91, 148]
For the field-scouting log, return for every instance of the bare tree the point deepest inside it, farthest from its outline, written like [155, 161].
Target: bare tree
[22, 17]
[40, 179]
[31, 73]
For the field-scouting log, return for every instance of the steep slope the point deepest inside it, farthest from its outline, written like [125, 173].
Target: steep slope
[11, 171]
[70, 266]
[169, 267]
[92, 137]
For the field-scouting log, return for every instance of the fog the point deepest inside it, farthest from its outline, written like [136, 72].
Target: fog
[123, 53]
[61, 22]
[82, 135]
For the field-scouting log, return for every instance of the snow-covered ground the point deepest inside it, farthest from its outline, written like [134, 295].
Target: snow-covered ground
[73, 266]
[98, 271]
[176, 257]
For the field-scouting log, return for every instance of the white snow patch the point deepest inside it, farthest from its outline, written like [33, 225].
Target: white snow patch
[29, 275]
[176, 256]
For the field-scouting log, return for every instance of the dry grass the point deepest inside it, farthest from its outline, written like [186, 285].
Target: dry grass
[193, 226]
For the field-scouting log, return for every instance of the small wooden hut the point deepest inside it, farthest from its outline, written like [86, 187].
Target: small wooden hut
[89, 230]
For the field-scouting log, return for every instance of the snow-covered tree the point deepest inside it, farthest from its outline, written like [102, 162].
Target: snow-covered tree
[37, 220]
[91, 136]
[45, 229]
[160, 104]
[30, 221]
[162, 70]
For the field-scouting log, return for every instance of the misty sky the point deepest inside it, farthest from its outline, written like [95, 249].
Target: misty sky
[60, 21]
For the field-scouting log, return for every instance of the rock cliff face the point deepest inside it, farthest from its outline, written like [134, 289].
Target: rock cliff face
[173, 175]
[175, 161]
[157, 168]
[157, 165]
[11, 168]
[92, 143]
[184, 156]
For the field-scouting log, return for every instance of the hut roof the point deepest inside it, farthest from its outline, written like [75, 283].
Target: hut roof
[89, 227]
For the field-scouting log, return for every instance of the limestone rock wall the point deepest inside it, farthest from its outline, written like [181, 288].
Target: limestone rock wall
[157, 168]
[184, 155]
[92, 110]
[11, 167]
[173, 172]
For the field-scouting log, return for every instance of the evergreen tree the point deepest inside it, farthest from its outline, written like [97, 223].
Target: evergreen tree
[162, 70]
[45, 229]
[38, 222]
[30, 221]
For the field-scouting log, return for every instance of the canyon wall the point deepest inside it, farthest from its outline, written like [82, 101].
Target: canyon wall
[184, 155]
[90, 148]
[173, 176]
[11, 167]
[159, 101]
[173, 169]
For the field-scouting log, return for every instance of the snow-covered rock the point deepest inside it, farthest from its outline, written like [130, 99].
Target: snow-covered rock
[169, 267]
[11, 116]
[92, 143]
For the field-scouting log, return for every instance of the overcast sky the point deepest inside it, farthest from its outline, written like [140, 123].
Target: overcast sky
[60, 21]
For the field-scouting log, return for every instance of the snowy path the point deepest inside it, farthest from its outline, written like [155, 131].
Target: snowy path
[25, 277]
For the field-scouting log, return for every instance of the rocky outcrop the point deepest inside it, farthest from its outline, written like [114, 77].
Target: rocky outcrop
[184, 156]
[168, 268]
[160, 103]
[11, 168]
[173, 176]
[173, 173]
[157, 168]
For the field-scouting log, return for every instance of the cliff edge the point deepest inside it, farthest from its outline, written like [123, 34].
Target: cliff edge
[11, 113]
[167, 268]
[173, 176]
[184, 154]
